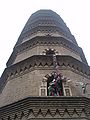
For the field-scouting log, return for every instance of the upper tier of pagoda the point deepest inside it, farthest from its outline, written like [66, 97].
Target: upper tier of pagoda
[42, 23]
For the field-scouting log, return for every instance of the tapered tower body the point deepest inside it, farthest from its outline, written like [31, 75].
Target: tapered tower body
[47, 75]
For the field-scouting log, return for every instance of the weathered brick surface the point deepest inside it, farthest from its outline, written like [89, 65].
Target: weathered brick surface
[38, 50]
[28, 85]
[21, 80]
[73, 108]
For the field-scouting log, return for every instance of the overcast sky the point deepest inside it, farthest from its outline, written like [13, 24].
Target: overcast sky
[15, 13]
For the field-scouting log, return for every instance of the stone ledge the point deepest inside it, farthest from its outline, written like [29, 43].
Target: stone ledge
[43, 62]
[43, 40]
[46, 61]
[43, 105]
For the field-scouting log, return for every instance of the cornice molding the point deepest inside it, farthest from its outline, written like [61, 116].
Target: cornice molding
[74, 107]
[51, 40]
[46, 29]
[44, 40]
[44, 62]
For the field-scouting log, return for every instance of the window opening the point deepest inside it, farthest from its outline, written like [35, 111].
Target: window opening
[54, 85]
[50, 52]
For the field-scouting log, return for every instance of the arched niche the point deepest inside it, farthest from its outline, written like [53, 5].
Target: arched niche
[54, 85]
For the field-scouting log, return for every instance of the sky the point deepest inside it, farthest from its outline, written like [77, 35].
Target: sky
[15, 13]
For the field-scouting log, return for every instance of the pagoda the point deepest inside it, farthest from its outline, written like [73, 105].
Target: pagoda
[47, 75]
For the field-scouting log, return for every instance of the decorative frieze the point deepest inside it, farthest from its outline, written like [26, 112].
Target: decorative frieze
[43, 40]
[44, 62]
[38, 61]
[47, 107]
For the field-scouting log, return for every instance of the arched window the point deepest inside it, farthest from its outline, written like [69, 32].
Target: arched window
[50, 52]
[54, 85]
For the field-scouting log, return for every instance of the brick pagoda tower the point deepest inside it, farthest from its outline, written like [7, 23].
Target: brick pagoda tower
[47, 75]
